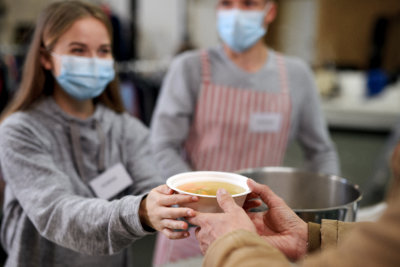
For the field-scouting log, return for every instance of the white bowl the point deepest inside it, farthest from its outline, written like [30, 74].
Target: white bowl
[208, 203]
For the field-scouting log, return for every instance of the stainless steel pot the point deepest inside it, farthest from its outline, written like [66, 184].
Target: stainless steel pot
[312, 196]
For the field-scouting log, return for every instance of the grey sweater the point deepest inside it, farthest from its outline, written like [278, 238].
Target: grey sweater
[50, 216]
[175, 108]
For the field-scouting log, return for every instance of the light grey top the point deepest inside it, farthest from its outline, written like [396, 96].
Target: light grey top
[180, 90]
[51, 217]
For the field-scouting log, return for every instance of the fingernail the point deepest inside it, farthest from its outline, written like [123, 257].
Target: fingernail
[194, 198]
[186, 234]
[190, 213]
[222, 191]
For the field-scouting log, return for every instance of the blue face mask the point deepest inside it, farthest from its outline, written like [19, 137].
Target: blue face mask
[84, 78]
[240, 29]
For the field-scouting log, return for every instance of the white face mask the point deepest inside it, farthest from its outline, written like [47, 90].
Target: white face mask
[84, 77]
[241, 29]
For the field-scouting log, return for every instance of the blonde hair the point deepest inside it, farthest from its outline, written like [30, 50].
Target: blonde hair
[52, 23]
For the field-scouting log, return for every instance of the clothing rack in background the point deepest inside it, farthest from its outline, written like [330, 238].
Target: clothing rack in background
[144, 67]
[140, 82]
[11, 60]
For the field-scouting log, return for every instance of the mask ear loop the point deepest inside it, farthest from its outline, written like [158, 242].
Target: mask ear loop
[59, 57]
[267, 8]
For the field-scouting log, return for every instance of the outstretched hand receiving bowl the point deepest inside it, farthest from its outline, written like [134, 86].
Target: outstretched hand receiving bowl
[279, 225]
[213, 225]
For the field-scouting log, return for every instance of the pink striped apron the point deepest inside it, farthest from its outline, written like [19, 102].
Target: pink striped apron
[233, 129]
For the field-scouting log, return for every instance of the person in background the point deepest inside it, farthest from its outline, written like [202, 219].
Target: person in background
[236, 106]
[277, 237]
[80, 180]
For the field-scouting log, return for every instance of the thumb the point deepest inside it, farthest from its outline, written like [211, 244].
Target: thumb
[225, 200]
[266, 194]
[164, 189]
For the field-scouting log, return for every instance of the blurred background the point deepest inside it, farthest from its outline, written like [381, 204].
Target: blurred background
[352, 46]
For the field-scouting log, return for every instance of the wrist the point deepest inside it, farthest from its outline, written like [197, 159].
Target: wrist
[143, 214]
[304, 239]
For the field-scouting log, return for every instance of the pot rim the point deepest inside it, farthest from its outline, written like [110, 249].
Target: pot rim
[324, 175]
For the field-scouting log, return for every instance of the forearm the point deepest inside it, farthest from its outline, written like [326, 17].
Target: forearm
[324, 161]
[168, 134]
[318, 149]
[310, 127]
[91, 226]
[243, 248]
[169, 131]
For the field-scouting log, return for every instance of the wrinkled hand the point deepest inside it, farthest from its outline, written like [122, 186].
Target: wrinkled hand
[214, 225]
[156, 211]
[279, 225]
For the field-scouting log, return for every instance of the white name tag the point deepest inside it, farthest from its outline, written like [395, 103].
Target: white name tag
[265, 122]
[111, 182]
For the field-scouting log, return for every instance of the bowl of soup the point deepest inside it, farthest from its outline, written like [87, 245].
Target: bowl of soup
[205, 185]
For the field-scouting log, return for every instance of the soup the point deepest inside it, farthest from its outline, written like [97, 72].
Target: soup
[210, 188]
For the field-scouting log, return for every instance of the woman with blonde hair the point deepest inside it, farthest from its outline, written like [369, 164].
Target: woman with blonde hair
[78, 171]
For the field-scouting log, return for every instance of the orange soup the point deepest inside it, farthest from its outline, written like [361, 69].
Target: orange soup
[210, 188]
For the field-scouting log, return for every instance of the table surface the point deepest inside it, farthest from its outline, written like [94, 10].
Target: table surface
[381, 112]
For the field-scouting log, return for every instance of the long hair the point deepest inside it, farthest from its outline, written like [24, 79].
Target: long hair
[36, 81]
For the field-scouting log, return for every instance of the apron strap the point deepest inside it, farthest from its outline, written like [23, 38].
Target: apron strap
[282, 73]
[205, 67]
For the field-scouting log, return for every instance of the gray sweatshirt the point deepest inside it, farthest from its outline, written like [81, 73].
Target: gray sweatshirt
[175, 108]
[50, 216]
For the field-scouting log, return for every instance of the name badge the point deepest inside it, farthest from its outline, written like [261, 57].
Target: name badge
[263, 122]
[111, 182]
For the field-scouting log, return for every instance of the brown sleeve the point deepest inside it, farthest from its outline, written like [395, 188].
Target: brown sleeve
[314, 237]
[344, 228]
[329, 230]
[243, 248]
[368, 244]
[328, 234]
